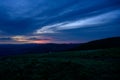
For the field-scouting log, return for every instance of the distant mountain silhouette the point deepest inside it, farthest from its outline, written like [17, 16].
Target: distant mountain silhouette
[100, 44]
[12, 49]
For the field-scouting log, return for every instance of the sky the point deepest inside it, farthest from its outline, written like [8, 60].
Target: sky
[58, 21]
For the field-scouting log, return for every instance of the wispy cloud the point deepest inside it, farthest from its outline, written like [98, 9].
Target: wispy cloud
[104, 18]
[49, 28]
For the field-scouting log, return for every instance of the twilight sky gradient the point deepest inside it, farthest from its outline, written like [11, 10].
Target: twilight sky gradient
[58, 21]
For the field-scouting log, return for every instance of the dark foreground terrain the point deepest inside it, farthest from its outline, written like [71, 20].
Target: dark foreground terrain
[100, 64]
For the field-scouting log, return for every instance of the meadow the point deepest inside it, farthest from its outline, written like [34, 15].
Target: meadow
[99, 64]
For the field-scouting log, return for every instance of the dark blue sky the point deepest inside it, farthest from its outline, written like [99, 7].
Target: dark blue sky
[58, 21]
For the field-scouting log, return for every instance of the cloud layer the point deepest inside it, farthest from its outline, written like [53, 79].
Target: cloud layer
[79, 20]
[101, 19]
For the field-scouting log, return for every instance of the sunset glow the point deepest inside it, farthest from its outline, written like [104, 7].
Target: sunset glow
[39, 41]
[24, 39]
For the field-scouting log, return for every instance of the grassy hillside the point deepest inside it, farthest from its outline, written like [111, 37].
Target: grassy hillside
[101, 64]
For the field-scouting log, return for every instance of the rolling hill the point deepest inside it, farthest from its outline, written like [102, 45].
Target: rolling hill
[113, 42]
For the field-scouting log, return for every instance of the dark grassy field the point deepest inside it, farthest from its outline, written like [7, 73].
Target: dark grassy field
[101, 64]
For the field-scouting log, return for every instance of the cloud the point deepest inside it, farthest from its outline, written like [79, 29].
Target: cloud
[101, 19]
[24, 39]
[19, 38]
[49, 29]
[5, 39]
[31, 39]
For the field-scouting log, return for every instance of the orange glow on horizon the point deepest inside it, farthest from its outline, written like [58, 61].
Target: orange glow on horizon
[40, 41]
